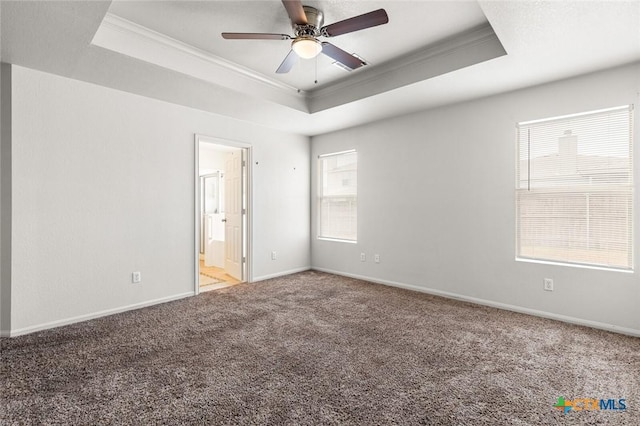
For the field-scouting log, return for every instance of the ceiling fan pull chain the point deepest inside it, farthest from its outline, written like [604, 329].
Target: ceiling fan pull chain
[316, 81]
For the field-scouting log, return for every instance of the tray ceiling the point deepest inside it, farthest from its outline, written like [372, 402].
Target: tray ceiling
[413, 25]
[185, 36]
[431, 53]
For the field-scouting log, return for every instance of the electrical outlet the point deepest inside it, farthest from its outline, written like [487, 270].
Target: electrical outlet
[548, 284]
[363, 257]
[274, 255]
[376, 258]
[136, 277]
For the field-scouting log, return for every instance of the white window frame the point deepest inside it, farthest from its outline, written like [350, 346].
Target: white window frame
[537, 190]
[319, 223]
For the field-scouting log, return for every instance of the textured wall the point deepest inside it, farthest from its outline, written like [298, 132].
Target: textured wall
[5, 198]
[436, 201]
[103, 185]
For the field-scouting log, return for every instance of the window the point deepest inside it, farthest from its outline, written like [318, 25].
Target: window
[338, 196]
[574, 189]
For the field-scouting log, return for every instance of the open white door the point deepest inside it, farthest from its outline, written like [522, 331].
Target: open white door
[233, 214]
[212, 235]
[223, 223]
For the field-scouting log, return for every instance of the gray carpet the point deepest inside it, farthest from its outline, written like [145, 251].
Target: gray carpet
[314, 348]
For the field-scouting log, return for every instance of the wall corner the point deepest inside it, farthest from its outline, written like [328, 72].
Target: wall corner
[5, 197]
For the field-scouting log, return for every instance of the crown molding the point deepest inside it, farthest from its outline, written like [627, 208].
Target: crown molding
[128, 38]
[464, 49]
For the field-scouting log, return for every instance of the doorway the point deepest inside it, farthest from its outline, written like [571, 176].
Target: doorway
[222, 210]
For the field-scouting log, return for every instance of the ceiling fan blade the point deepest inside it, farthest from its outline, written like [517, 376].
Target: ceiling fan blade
[254, 36]
[368, 20]
[288, 63]
[341, 56]
[295, 11]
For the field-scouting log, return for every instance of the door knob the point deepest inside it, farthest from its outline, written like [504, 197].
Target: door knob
[224, 220]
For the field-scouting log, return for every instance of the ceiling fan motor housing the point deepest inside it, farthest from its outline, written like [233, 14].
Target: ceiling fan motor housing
[315, 19]
[307, 23]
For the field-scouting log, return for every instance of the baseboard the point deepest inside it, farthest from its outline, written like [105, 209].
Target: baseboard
[564, 318]
[280, 274]
[80, 318]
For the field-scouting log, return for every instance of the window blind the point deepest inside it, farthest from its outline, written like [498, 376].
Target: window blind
[338, 196]
[574, 189]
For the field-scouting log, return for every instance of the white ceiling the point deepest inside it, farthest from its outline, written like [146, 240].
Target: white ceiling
[429, 54]
[199, 24]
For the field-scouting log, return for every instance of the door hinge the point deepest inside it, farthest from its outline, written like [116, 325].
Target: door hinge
[244, 259]
[244, 163]
[244, 211]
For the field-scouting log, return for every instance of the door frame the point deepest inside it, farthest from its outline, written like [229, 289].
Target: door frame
[248, 231]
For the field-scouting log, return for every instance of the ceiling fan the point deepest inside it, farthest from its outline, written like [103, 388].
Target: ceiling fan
[307, 26]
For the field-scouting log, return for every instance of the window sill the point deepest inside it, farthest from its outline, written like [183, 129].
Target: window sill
[338, 240]
[574, 265]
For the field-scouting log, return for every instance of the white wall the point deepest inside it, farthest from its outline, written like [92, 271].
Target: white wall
[436, 201]
[211, 158]
[281, 199]
[5, 197]
[103, 185]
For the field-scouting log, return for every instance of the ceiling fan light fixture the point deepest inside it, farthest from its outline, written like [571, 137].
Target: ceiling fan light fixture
[306, 47]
